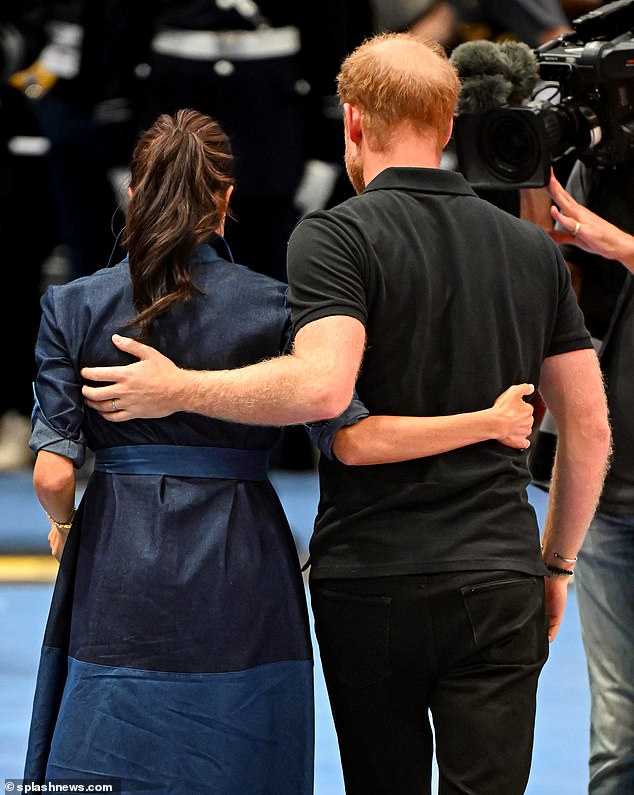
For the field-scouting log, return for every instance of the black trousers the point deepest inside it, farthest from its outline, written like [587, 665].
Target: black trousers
[465, 647]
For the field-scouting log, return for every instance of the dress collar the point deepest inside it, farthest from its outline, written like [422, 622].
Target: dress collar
[215, 249]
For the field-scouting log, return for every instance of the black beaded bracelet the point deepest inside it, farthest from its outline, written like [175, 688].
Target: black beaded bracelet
[560, 572]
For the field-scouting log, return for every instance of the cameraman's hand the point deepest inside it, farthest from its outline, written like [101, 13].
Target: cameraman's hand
[587, 230]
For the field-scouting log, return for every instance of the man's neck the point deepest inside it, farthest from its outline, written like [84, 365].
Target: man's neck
[405, 154]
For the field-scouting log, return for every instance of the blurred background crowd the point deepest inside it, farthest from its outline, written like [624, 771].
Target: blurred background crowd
[80, 80]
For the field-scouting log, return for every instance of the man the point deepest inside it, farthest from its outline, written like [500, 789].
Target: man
[427, 577]
[603, 254]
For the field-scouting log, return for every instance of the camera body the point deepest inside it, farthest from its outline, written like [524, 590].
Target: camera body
[593, 67]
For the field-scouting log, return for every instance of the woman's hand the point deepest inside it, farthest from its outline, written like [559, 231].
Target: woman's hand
[514, 416]
[57, 540]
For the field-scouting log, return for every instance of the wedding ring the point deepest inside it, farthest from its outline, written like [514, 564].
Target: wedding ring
[114, 405]
[575, 231]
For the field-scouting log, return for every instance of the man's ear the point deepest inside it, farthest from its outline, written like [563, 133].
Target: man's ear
[352, 118]
[451, 123]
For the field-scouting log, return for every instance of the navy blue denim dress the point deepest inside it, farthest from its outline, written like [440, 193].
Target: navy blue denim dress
[177, 655]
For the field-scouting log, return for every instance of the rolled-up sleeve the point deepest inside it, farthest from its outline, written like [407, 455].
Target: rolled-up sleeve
[56, 421]
[323, 433]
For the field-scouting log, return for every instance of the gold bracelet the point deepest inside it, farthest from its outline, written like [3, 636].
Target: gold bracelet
[63, 525]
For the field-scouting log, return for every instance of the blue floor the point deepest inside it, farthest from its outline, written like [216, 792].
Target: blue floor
[560, 756]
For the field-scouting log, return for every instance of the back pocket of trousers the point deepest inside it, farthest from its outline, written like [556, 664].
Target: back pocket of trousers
[508, 618]
[353, 636]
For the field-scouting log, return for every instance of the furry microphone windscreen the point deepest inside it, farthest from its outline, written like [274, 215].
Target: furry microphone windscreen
[494, 74]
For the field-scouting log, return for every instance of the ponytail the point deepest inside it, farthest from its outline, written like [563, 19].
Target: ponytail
[182, 168]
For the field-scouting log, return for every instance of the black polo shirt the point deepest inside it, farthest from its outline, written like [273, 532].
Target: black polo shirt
[459, 300]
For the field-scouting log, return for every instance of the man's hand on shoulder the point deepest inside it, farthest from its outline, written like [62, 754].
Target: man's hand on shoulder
[147, 388]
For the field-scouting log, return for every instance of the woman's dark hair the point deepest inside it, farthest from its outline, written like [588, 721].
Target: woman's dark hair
[181, 170]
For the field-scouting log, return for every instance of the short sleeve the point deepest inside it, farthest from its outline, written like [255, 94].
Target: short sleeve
[59, 407]
[569, 331]
[326, 271]
[322, 433]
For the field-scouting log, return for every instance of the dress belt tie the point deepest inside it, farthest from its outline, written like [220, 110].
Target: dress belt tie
[183, 461]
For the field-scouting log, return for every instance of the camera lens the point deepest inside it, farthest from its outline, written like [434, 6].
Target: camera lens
[509, 145]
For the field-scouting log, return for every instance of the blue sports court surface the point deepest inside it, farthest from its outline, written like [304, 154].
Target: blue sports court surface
[27, 571]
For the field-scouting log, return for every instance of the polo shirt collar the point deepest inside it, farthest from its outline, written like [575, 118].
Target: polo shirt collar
[427, 180]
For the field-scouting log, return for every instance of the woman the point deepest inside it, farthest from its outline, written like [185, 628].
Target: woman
[177, 654]
[179, 603]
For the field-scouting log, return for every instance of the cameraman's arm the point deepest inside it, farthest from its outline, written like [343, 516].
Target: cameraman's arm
[535, 204]
[536, 207]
